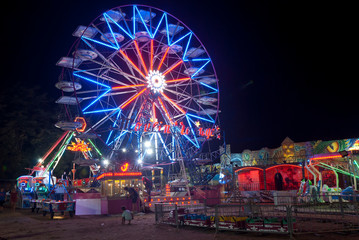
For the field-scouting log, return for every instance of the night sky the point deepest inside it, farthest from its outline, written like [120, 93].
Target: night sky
[285, 68]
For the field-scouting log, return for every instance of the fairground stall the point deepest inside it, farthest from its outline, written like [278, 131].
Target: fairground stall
[110, 194]
[319, 169]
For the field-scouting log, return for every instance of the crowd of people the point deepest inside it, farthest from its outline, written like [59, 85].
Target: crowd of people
[8, 198]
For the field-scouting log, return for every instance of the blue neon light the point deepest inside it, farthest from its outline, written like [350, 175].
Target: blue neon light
[118, 25]
[102, 110]
[168, 33]
[206, 85]
[143, 21]
[118, 137]
[194, 135]
[190, 33]
[164, 145]
[200, 59]
[185, 52]
[204, 119]
[114, 123]
[98, 98]
[89, 79]
[196, 145]
[200, 68]
[154, 34]
[134, 20]
[113, 35]
[104, 44]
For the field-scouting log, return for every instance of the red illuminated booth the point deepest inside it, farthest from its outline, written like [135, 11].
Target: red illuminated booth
[289, 177]
[113, 194]
[250, 179]
[110, 196]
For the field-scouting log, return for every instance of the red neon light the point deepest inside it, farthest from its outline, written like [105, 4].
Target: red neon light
[163, 58]
[133, 98]
[171, 68]
[121, 174]
[166, 112]
[178, 80]
[128, 59]
[128, 86]
[83, 122]
[139, 53]
[326, 157]
[179, 108]
[154, 111]
[283, 165]
[124, 167]
[50, 150]
[248, 169]
[151, 58]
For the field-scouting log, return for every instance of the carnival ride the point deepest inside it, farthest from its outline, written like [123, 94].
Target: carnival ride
[144, 83]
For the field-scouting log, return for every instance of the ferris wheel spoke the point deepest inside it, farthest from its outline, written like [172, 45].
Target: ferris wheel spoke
[173, 103]
[172, 67]
[140, 56]
[167, 115]
[128, 76]
[128, 101]
[128, 86]
[163, 58]
[151, 55]
[131, 63]
[178, 80]
[177, 93]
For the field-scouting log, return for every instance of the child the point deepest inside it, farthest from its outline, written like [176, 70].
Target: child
[126, 215]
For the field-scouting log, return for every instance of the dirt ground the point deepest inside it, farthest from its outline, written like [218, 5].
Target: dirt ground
[26, 225]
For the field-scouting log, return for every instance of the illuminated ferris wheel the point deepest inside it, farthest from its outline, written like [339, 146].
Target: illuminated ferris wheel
[144, 83]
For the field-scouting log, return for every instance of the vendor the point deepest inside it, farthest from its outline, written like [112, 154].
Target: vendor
[148, 186]
[133, 196]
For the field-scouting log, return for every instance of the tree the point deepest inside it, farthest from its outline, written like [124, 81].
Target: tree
[26, 128]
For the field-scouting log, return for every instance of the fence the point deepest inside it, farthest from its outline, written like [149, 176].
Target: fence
[290, 218]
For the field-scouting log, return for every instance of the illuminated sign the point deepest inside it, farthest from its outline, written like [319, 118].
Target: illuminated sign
[124, 167]
[83, 124]
[165, 128]
[119, 174]
[79, 146]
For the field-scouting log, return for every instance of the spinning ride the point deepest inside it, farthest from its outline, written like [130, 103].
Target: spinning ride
[140, 78]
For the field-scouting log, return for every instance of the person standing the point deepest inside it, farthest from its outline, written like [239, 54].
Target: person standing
[133, 196]
[2, 198]
[148, 186]
[13, 199]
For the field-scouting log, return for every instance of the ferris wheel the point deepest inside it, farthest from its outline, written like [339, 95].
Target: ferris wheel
[144, 83]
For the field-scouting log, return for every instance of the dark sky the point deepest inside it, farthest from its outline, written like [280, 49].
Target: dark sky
[285, 67]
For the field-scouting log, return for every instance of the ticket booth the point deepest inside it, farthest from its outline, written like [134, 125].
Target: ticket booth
[113, 194]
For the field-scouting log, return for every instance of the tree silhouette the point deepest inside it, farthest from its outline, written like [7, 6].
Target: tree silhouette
[26, 128]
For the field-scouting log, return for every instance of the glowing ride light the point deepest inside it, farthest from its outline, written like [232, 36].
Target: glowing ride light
[106, 162]
[156, 81]
[83, 124]
[147, 144]
[119, 174]
[79, 146]
[124, 167]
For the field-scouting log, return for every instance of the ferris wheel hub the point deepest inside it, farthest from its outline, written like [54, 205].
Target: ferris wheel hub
[156, 81]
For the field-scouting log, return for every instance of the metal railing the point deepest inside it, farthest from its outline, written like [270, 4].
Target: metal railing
[290, 218]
